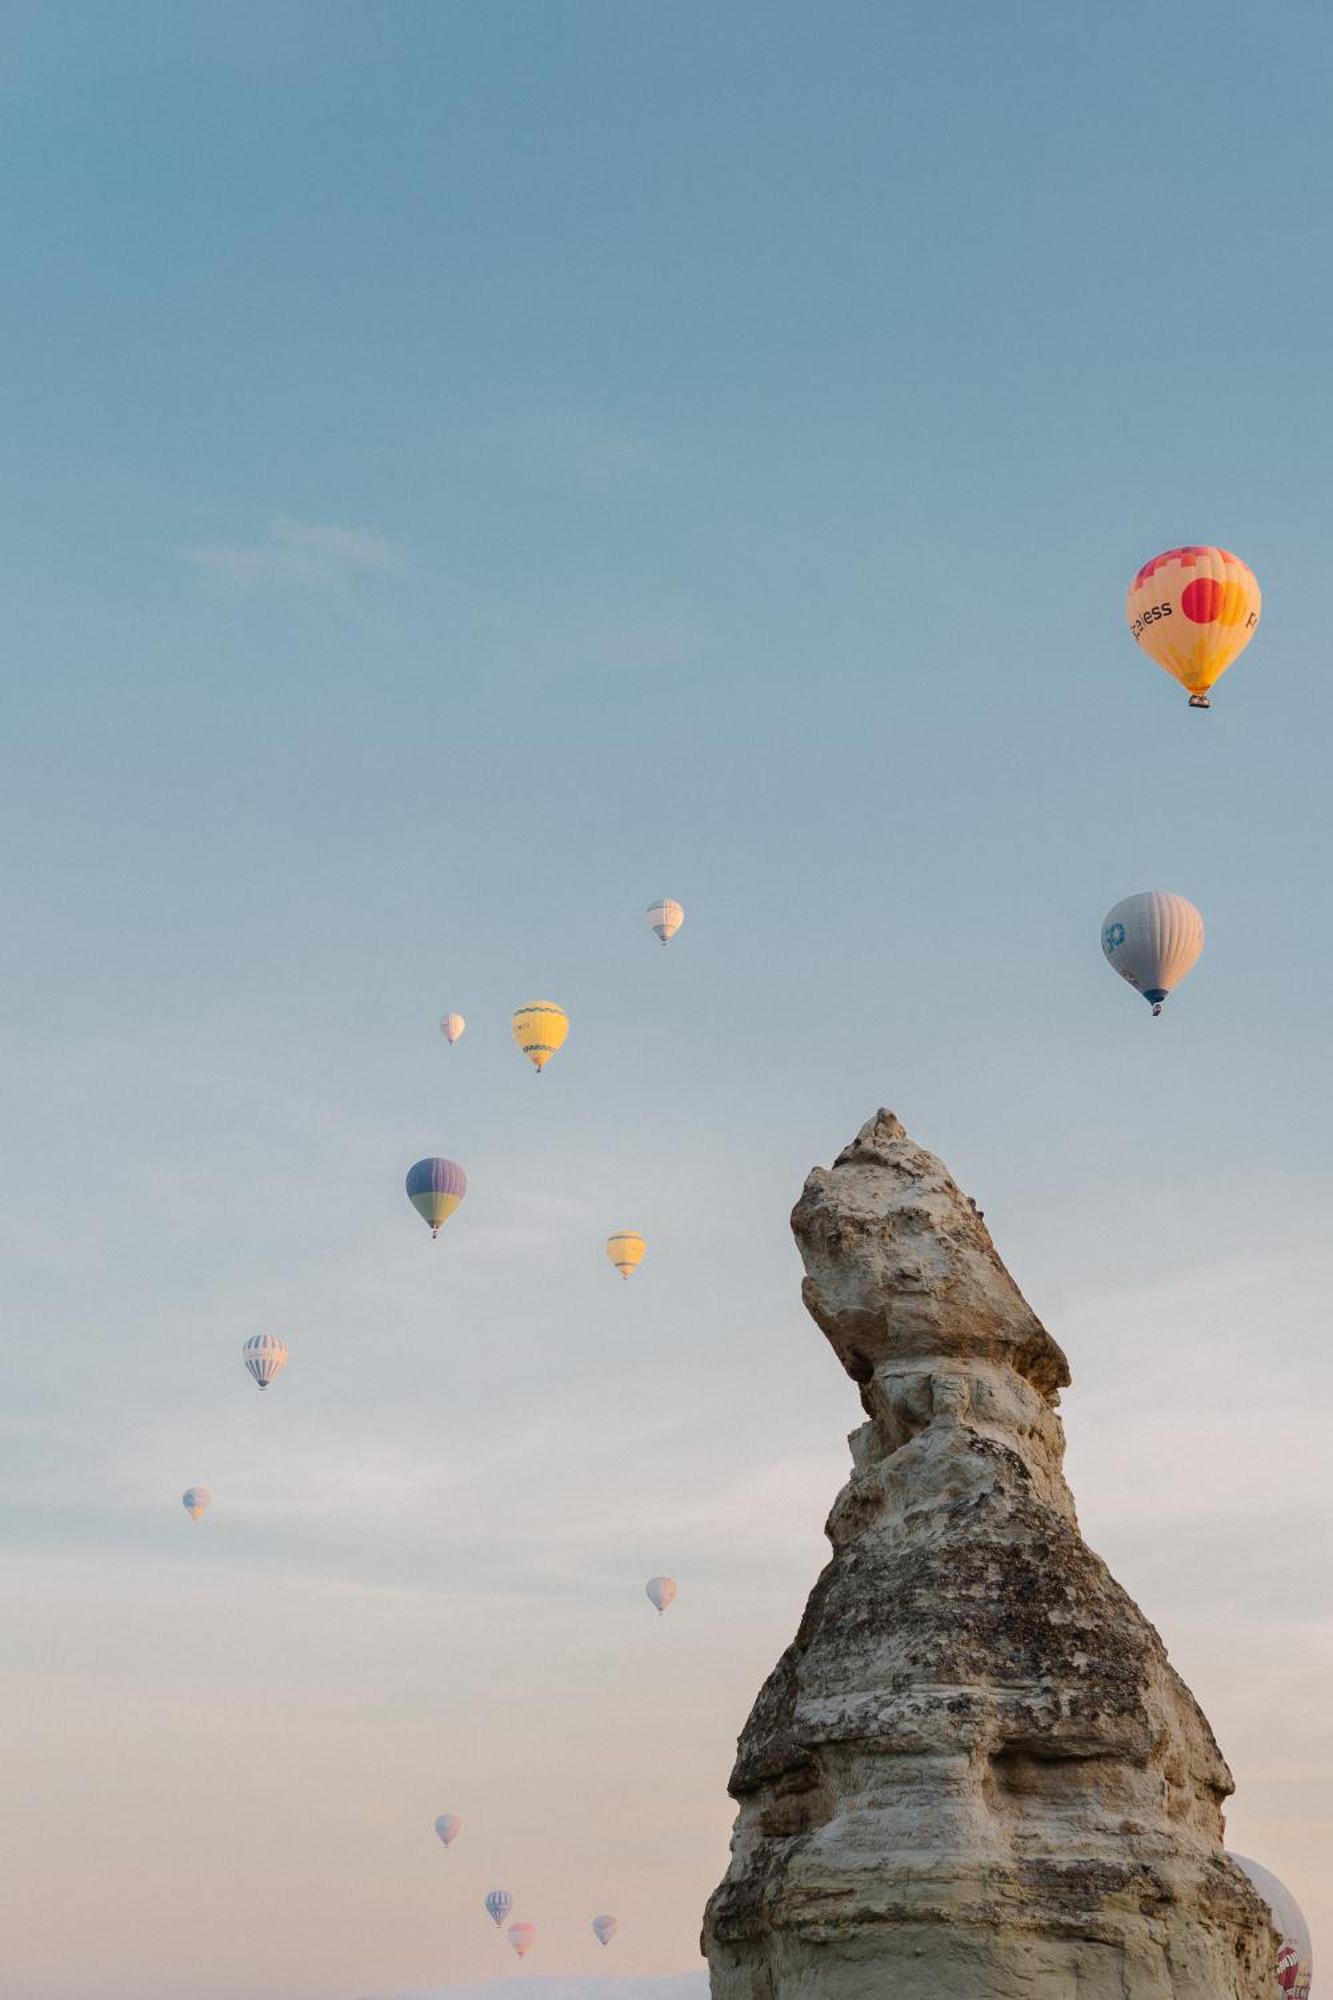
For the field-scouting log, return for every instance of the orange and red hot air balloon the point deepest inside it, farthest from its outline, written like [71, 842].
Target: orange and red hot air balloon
[1194, 611]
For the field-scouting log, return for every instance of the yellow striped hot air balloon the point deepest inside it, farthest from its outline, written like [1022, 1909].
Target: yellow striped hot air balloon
[1194, 611]
[540, 1029]
[625, 1249]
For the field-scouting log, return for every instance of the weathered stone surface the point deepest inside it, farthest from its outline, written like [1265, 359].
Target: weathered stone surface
[974, 1774]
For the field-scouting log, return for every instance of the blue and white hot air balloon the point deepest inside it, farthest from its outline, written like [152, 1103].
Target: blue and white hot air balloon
[1153, 940]
[446, 1826]
[265, 1357]
[498, 1905]
[605, 1928]
[435, 1188]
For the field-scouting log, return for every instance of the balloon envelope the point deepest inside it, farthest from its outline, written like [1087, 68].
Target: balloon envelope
[1153, 940]
[522, 1937]
[625, 1249]
[447, 1826]
[435, 1188]
[1194, 610]
[604, 1929]
[451, 1027]
[540, 1029]
[265, 1357]
[666, 917]
[1295, 1961]
[194, 1500]
[498, 1905]
[660, 1592]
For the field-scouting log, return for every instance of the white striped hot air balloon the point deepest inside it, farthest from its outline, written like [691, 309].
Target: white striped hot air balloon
[522, 1937]
[1153, 940]
[660, 1592]
[625, 1249]
[1295, 1962]
[604, 1929]
[195, 1500]
[665, 918]
[452, 1027]
[266, 1357]
[498, 1905]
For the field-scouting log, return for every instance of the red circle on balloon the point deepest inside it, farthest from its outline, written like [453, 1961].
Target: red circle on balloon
[1202, 600]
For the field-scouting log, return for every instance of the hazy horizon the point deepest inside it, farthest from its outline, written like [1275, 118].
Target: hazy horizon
[471, 471]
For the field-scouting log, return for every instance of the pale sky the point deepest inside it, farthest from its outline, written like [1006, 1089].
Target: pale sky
[471, 470]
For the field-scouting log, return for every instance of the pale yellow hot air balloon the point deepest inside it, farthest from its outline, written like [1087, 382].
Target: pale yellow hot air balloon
[540, 1029]
[1194, 610]
[625, 1249]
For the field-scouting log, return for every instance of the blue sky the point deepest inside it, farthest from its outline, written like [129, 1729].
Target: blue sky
[473, 469]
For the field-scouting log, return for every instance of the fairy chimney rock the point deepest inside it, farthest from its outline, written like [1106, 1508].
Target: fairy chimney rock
[974, 1774]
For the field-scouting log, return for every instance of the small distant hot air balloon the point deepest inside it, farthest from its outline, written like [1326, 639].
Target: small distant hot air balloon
[446, 1826]
[665, 917]
[1194, 610]
[451, 1027]
[194, 1500]
[522, 1937]
[660, 1592]
[605, 1928]
[266, 1357]
[540, 1029]
[498, 1905]
[1295, 1961]
[1153, 940]
[435, 1188]
[625, 1249]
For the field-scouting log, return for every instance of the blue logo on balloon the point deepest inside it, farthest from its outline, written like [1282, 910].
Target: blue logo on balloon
[1112, 936]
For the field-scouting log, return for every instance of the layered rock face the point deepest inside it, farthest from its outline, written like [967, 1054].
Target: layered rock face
[973, 1775]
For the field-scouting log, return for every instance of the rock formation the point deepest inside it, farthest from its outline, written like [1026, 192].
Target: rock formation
[973, 1775]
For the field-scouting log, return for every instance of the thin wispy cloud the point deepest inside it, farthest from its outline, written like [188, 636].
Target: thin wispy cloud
[600, 458]
[307, 552]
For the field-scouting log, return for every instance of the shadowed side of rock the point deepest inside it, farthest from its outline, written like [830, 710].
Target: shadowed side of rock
[974, 1774]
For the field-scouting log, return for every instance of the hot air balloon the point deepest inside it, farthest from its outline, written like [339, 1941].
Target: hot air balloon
[435, 1188]
[660, 1592]
[194, 1500]
[447, 1826]
[1153, 940]
[522, 1937]
[498, 1905]
[1295, 1963]
[604, 1929]
[540, 1029]
[451, 1027]
[666, 917]
[1194, 611]
[266, 1357]
[625, 1249]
